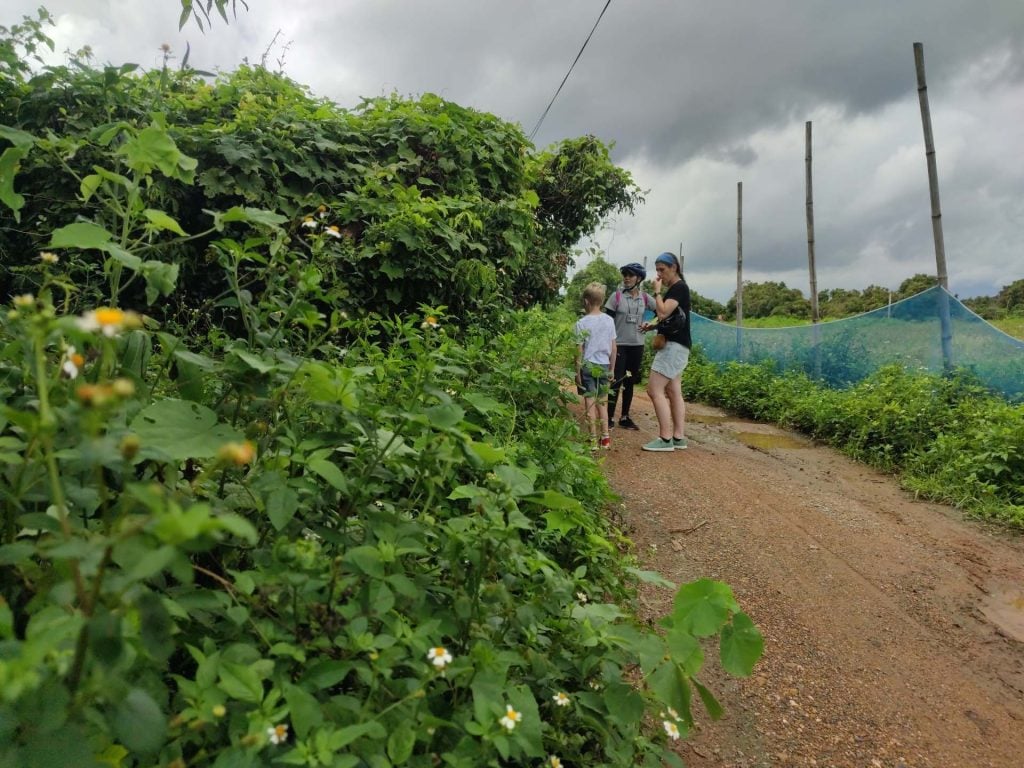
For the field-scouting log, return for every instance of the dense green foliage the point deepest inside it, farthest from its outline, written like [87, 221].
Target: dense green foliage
[770, 298]
[948, 438]
[598, 270]
[426, 201]
[1008, 303]
[251, 516]
[776, 300]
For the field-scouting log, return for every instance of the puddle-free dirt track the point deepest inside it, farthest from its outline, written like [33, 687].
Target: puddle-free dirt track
[894, 628]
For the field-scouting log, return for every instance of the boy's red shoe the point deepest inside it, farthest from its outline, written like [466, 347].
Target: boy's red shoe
[606, 442]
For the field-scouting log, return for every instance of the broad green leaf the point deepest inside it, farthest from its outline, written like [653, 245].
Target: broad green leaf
[741, 645]
[255, 362]
[554, 500]
[306, 711]
[484, 403]
[345, 736]
[240, 682]
[519, 482]
[81, 234]
[120, 255]
[672, 687]
[161, 279]
[153, 149]
[179, 429]
[161, 220]
[250, 216]
[367, 559]
[6, 620]
[685, 650]
[651, 577]
[711, 704]
[330, 472]
[445, 415]
[467, 492]
[558, 520]
[625, 704]
[16, 136]
[401, 743]
[703, 606]
[89, 186]
[282, 504]
[10, 163]
[528, 731]
[139, 724]
[487, 453]
[19, 551]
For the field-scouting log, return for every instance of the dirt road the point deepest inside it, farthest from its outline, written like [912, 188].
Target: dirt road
[894, 629]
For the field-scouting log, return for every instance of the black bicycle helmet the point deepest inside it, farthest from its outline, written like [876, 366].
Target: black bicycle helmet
[634, 269]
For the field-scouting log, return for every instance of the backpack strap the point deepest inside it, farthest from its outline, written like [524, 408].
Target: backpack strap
[618, 299]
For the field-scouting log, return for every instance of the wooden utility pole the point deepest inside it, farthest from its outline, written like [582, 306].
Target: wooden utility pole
[933, 187]
[680, 256]
[810, 227]
[739, 270]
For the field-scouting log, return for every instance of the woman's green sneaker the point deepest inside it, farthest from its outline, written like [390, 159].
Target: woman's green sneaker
[679, 443]
[659, 444]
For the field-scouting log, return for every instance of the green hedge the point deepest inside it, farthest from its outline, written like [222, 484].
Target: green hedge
[948, 438]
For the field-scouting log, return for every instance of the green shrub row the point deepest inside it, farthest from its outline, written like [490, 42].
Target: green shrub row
[947, 438]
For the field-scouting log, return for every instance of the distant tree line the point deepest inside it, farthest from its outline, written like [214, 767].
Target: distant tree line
[776, 299]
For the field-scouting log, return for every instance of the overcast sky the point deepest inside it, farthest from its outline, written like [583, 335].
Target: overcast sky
[696, 97]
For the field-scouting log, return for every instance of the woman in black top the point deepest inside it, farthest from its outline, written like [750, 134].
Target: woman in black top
[664, 382]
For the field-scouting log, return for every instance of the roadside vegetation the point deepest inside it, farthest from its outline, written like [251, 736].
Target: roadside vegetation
[946, 437]
[286, 477]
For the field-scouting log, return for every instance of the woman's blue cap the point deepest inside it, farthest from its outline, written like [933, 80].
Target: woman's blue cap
[666, 258]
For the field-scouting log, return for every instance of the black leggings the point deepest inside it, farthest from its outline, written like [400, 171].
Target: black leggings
[626, 359]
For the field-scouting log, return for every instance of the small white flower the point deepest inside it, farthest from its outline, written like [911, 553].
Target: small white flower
[48, 258]
[278, 734]
[511, 718]
[332, 231]
[439, 657]
[309, 223]
[595, 685]
[561, 699]
[672, 714]
[379, 504]
[429, 322]
[554, 762]
[671, 729]
[582, 597]
[629, 374]
[24, 300]
[72, 363]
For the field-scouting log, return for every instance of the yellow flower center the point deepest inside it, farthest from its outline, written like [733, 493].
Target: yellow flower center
[109, 316]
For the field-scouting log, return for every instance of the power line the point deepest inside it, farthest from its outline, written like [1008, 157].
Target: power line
[537, 126]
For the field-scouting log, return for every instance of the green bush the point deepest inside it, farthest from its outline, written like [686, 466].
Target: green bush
[279, 525]
[425, 201]
[946, 436]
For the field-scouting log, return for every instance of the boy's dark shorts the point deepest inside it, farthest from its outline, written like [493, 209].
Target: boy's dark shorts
[595, 380]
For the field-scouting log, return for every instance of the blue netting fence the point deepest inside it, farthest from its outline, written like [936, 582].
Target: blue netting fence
[908, 332]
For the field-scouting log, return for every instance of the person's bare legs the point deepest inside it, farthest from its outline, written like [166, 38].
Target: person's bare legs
[592, 417]
[678, 407]
[663, 409]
